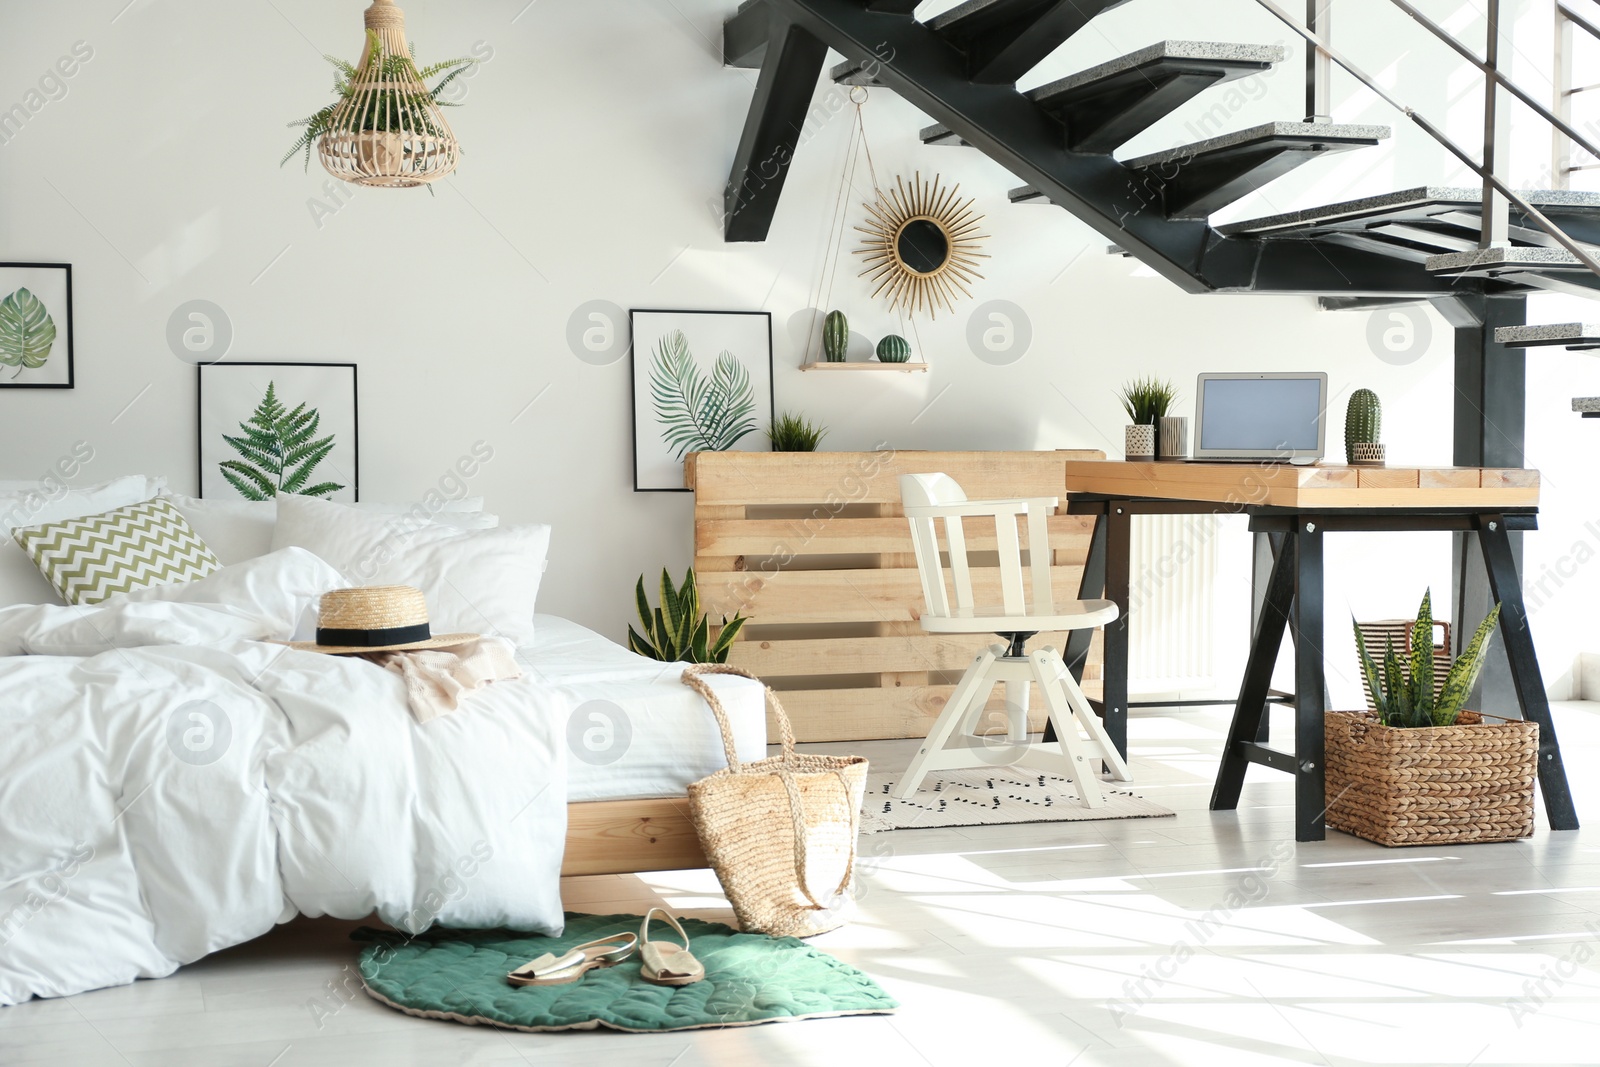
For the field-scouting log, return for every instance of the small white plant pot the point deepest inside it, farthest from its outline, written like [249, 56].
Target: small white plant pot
[1139, 442]
[1174, 435]
[1366, 454]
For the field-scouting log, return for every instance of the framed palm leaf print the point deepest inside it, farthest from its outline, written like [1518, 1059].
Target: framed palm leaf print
[273, 429]
[702, 382]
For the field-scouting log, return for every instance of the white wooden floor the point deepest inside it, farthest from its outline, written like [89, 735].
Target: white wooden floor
[1205, 939]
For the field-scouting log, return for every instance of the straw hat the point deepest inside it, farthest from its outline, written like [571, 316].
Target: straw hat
[375, 618]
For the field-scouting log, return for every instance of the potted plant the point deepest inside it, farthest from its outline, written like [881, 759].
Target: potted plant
[381, 130]
[794, 433]
[1420, 770]
[1146, 401]
[678, 631]
[1363, 422]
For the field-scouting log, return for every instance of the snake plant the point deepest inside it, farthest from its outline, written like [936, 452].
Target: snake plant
[1404, 695]
[678, 631]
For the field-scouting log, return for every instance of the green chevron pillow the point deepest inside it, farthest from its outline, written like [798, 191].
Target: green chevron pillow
[117, 551]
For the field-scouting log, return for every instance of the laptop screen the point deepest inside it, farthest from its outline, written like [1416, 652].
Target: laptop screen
[1265, 415]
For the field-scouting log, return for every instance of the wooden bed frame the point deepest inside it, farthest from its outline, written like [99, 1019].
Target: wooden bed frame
[630, 836]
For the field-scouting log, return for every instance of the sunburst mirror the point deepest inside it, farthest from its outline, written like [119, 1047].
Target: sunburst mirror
[921, 245]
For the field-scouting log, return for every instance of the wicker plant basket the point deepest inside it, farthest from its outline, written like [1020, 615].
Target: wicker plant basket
[1442, 785]
[780, 832]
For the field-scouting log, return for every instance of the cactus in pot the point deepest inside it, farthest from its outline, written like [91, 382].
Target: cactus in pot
[1363, 424]
[894, 349]
[835, 336]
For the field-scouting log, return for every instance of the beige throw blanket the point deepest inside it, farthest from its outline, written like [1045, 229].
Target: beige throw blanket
[438, 679]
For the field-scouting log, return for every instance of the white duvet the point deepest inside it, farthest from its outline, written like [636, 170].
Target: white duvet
[170, 785]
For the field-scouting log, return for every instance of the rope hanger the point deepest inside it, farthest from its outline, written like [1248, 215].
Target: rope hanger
[856, 146]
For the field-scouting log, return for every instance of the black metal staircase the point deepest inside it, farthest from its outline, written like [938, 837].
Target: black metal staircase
[960, 67]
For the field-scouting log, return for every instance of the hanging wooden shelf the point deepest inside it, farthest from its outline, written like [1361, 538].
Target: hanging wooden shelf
[904, 368]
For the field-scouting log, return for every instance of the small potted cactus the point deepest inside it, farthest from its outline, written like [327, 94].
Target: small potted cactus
[894, 349]
[835, 337]
[1363, 425]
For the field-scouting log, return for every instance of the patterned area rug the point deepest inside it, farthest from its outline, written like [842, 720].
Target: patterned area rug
[460, 976]
[985, 797]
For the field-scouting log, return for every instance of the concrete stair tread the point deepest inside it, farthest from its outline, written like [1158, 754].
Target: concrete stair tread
[1202, 51]
[971, 9]
[1309, 133]
[1552, 334]
[1401, 202]
[1514, 257]
[940, 134]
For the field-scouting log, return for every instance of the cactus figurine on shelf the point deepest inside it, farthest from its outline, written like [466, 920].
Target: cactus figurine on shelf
[894, 349]
[835, 336]
[1363, 424]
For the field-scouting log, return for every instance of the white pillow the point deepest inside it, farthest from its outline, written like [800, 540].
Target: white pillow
[237, 530]
[479, 581]
[153, 484]
[281, 587]
[20, 580]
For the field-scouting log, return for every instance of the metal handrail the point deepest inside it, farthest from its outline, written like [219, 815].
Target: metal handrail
[1561, 164]
[1578, 20]
[1500, 79]
[1534, 214]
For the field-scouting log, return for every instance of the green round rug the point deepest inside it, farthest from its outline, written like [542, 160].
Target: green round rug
[460, 975]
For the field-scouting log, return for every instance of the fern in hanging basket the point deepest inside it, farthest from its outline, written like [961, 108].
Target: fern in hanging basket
[385, 128]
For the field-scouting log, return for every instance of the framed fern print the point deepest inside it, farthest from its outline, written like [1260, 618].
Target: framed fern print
[271, 429]
[702, 382]
[36, 326]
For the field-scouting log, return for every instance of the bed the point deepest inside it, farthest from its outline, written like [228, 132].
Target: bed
[630, 814]
[175, 781]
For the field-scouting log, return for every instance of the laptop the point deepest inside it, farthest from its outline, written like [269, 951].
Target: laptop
[1251, 417]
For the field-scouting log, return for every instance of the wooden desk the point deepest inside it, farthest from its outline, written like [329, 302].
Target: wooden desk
[1294, 507]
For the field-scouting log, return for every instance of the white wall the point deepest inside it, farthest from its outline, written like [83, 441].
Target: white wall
[597, 140]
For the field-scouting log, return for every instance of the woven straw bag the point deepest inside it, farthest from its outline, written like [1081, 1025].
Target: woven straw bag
[777, 828]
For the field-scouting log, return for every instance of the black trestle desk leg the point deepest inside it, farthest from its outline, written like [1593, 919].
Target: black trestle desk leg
[1310, 790]
[1506, 587]
[1251, 710]
[1115, 671]
[1091, 586]
[1266, 548]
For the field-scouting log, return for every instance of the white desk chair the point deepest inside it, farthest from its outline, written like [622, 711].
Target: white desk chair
[1081, 738]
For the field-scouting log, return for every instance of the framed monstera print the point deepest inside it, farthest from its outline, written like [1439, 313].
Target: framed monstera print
[702, 382]
[278, 429]
[35, 326]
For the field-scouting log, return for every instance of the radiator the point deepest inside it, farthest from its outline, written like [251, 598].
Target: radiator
[1172, 600]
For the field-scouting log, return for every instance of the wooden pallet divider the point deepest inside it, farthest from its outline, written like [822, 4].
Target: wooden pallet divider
[814, 550]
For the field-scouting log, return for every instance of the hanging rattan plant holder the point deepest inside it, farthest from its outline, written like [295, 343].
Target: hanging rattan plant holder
[388, 132]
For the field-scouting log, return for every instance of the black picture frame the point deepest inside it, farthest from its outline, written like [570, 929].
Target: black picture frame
[639, 354]
[203, 456]
[63, 307]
